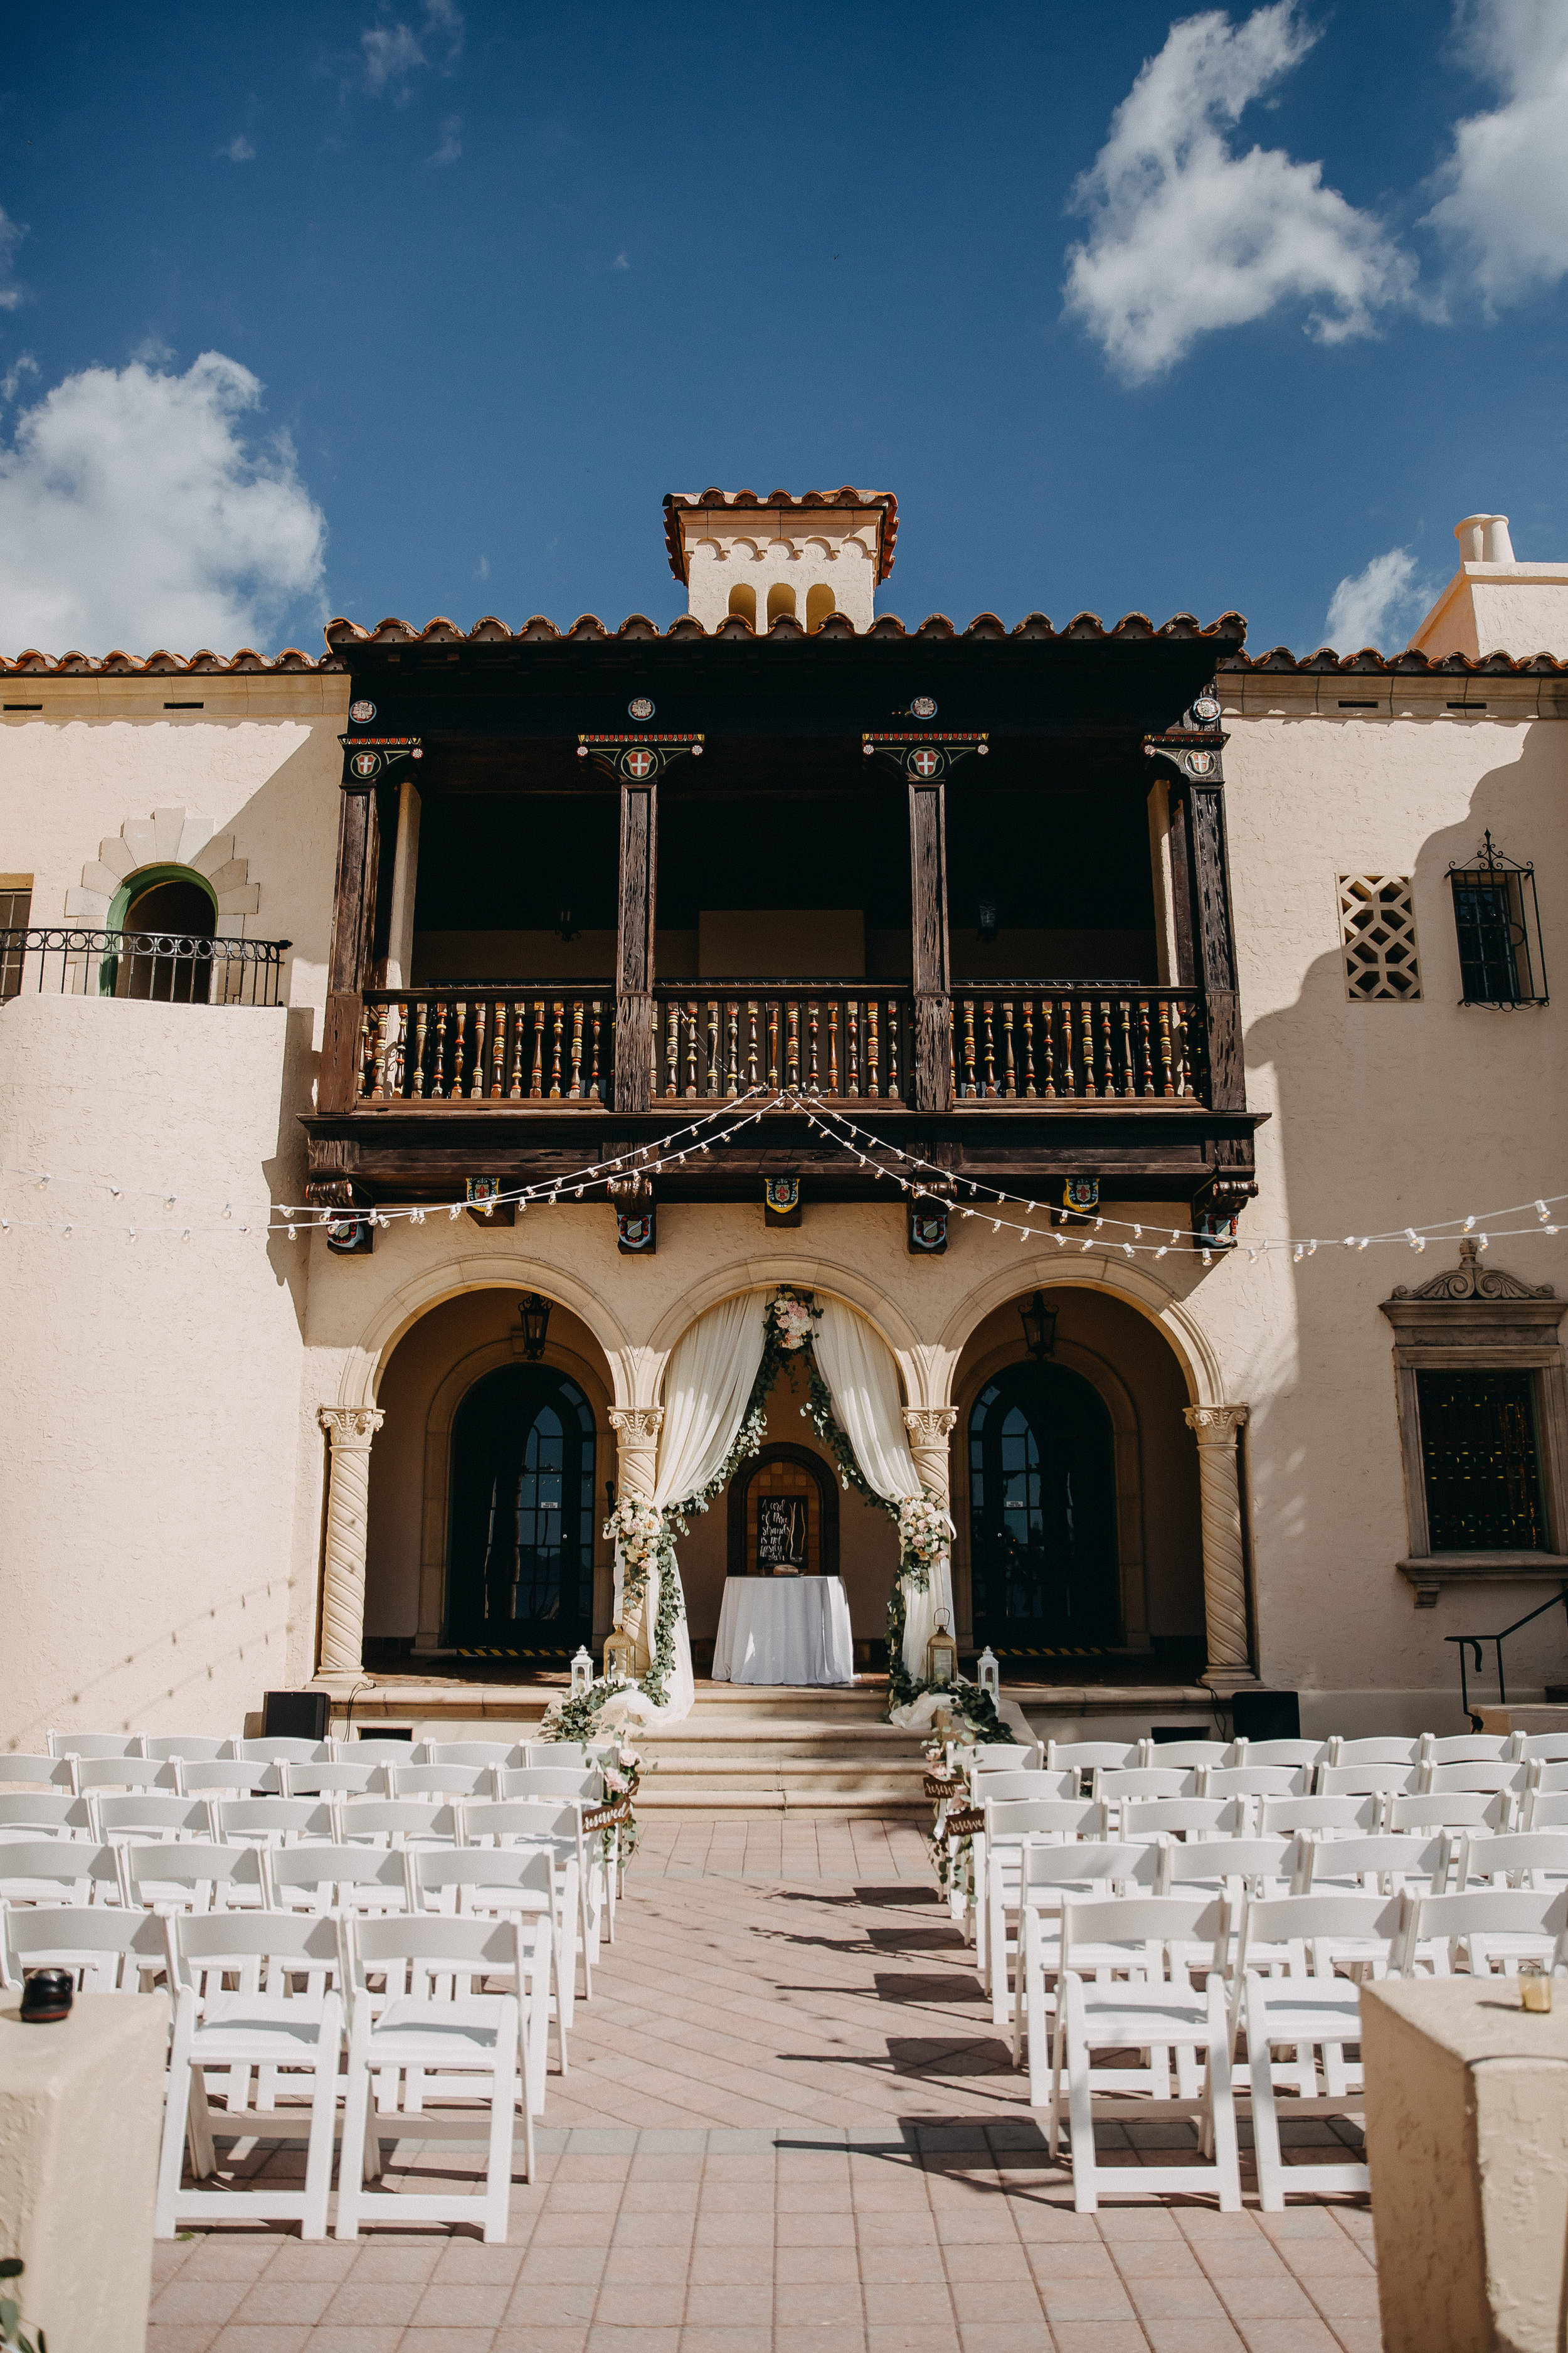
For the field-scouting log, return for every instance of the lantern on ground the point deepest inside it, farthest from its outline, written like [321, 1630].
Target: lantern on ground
[942, 1655]
[620, 1652]
[989, 1674]
[582, 1671]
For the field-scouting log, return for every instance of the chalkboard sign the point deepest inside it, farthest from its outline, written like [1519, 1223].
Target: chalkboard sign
[781, 1533]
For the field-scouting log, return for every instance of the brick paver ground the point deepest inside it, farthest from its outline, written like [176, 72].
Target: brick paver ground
[790, 2128]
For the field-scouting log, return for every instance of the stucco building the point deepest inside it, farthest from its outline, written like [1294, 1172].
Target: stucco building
[1067, 966]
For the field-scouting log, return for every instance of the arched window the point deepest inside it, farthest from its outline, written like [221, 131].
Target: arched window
[1042, 1498]
[819, 605]
[784, 1510]
[167, 910]
[743, 601]
[519, 1556]
[781, 602]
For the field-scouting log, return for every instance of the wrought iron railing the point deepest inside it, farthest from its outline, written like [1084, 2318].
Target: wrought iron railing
[164, 967]
[848, 1039]
[1472, 1643]
[1018, 1042]
[468, 1044]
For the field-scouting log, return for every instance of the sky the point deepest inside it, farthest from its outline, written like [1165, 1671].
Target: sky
[419, 307]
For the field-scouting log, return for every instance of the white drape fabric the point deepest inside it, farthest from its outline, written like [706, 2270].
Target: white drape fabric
[859, 1368]
[706, 1384]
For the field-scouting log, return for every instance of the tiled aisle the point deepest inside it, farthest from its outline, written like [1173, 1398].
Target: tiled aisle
[789, 2124]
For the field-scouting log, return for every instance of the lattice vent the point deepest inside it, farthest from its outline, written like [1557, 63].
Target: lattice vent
[1377, 924]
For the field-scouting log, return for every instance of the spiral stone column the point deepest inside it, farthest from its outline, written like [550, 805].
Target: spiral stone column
[350, 1429]
[1216, 1428]
[636, 1430]
[930, 1429]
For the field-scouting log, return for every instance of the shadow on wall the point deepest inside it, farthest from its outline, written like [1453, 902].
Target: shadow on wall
[1389, 1114]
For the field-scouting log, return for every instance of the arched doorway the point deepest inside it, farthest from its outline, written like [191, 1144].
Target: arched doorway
[519, 1558]
[170, 908]
[1042, 1504]
[783, 1509]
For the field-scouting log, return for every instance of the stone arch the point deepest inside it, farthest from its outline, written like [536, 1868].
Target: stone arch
[365, 1362]
[1131, 1283]
[765, 1273]
[169, 837]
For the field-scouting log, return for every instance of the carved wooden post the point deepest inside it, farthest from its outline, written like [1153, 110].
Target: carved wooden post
[1213, 939]
[350, 1430]
[1216, 1428]
[636, 1430]
[635, 941]
[928, 925]
[354, 921]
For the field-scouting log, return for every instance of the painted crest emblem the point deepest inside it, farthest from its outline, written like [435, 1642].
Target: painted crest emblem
[782, 1192]
[362, 713]
[925, 763]
[639, 707]
[365, 763]
[1200, 764]
[638, 764]
[923, 707]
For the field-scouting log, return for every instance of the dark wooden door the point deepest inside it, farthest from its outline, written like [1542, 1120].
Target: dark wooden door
[520, 1562]
[1042, 1490]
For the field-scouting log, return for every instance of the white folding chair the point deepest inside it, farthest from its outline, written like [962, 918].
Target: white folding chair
[187, 1875]
[365, 1879]
[229, 1777]
[1373, 1752]
[274, 1821]
[451, 1782]
[267, 2022]
[427, 2029]
[1546, 1775]
[1467, 1748]
[284, 1752]
[1003, 1757]
[53, 1773]
[400, 1821]
[1096, 1755]
[1384, 1865]
[998, 1848]
[150, 1817]
[506, 1879]
[1492, 1924]
[1170, 1754]
[1026, 1784]
[1307, 2008]
[473, 1752]
[1116, 1789]
[1048, 1876]
[1200, 1818]
[1297, 1754]
[370, 1748]
[1454, 1811]
[1255, 1781]
[1549, 1747]
[596, 1873]
[59, 1870]
[1327, 1816]
[151, 1774]
[97, 1744]
[1368, 1781]
[563, 1755]
[1226, 1866]
[45, 1813]
[1486, 1778]
[106, 1951]
[554, 1781]
[190, 1747]
[1529, 1859]
[1126, 1982]
[1544, 1810]
[359, 1778]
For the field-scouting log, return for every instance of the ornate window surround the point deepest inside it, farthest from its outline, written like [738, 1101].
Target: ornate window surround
[1476, 1319]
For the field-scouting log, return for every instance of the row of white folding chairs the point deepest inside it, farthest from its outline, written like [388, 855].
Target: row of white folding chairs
[1518, 1780]
[1124, 1967]
[1427, 1747]
[204, 1747]
[434, 2021]
[1217, 1853]
[369, 1825]
[286, 1777]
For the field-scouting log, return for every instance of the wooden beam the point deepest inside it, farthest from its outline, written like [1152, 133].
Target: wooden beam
[1214, 942]
[635, 945]
[353, 927]
[927, 928]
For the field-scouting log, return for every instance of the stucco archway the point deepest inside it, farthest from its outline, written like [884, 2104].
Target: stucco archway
[359, 1381]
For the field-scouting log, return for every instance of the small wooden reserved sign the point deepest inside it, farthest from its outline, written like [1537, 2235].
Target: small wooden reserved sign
[964, 1820]
[604, 1818]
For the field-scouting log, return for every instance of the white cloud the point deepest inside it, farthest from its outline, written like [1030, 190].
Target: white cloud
[451, 146]
[620, 262]
[11, 236]
[1187, 235]
[238, 151]
[393, 52]
[134, 514]
[23, 364]
[1379, 606]
[1504, 212]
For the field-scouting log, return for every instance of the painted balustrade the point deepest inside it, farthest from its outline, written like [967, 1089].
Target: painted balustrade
[848, 1042]
[486, 1046]
[1045, 1044]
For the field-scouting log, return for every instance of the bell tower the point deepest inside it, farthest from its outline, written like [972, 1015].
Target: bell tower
[782, 557]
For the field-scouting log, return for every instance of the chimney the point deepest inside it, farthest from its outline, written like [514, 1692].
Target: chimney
[1494, 604]
[803, 558]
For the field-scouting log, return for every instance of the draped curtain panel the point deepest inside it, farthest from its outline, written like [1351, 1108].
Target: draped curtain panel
[859, 1370]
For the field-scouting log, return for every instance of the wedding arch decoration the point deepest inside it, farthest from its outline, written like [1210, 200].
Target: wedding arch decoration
[717, 1385]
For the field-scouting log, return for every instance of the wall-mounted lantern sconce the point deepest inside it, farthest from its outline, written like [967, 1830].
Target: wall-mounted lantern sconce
[988, 919]
[534, 1316]
[1039, 1328]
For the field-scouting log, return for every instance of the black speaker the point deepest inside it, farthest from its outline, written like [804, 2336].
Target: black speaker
[1160, 1732]
[1266, 1715]
[294, 1715]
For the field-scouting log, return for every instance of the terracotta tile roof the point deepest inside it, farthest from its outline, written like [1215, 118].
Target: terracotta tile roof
[33, 664]
[683, 502]
[1370, 663]
[342, 635]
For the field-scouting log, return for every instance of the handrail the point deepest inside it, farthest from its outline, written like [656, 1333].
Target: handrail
[1497, 1640]
[164, 967]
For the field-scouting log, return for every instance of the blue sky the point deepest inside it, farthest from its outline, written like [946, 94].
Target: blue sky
[502, 275]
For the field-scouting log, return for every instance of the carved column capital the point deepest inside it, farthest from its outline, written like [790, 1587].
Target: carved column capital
[1214, 1425]
[637, 1425]
[350, 1424]
[929, 1425]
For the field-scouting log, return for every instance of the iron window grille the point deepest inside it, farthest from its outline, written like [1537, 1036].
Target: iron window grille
[1498, 919]
[1481, 1460]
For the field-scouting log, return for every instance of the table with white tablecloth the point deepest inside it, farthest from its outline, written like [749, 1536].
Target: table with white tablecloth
[784, 1630]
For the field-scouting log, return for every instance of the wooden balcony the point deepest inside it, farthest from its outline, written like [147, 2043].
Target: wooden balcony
[1013, 1043]
[469, 1045]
